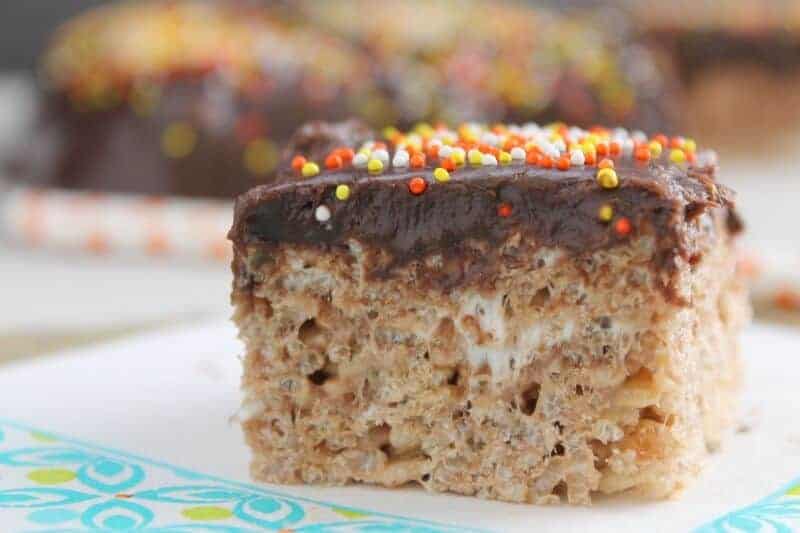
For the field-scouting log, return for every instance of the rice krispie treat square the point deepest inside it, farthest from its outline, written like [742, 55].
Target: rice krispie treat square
[518, 312]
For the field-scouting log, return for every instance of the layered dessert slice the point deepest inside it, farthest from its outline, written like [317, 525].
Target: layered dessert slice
[518, 312]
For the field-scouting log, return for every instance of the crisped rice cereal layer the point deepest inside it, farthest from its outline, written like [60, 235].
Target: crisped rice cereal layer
[565, 378]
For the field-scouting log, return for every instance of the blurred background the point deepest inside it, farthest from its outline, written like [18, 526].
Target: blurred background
[126, 128]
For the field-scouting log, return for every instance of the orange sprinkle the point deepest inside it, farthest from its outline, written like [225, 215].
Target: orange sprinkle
[417, 161]
[662, 140]
[691, 157]
[590, 159]
[622, 226]
[411, 149]
[297, 162]
[433, 151]
[642, 153]
[614, 148]
[380, 145]
[504, 210]
[787, 299]
[676, 142]
[562, 163]
[532, 157]
[545, 162]
[333, 162]
[447, 164]
[417, 185]
[605, 163]
[345, 153]
[602, 148]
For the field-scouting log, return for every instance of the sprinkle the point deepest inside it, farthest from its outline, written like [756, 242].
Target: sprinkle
[676, 155]
[333, 162]
[310, 169]
[532, 158]
[661, 139]
[517, 153]
[418, 160]
[360, 160]
[345, 153]
[390, 132]
[676, 142]
[381, 155]
[606, 163]
[342, 192]
[562, 163]
[417, 185]
[605, 213]
[642, 153]
[400, 159]
[591, 158]
[505, 158]
[607, 178]
[576, 158]
[297, 162]
[447, 164]
[627, 147]
[546, 161]
[445, 151]
[602, 148]
[375, 166]
[322, 213]
[458, 156]
[615, 148]
[655, 149]
[689, 145]
[622, 226]
[488, 160]
[504, 210]
[441, 174]
[178, 140]
[475, 157]
[260, 156]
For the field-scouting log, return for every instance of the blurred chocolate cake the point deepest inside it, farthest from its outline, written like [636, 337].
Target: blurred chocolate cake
[180, 97]
[197, 98]
[737, 62]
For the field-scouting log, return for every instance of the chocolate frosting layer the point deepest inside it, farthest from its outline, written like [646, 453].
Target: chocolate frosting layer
[555, 208]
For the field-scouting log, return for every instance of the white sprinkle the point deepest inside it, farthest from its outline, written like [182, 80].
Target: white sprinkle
[381, 155]
[445, 151]
[360, 160]
[576, 158]
[400, 159]
[490, 138]
[639, 136]
[619, 133]
[488, 160]
[517, 153]
[627, 147]
[322, 213]
[560, 145]
[435, 142]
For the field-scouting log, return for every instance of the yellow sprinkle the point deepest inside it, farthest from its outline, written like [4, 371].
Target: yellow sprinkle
[588, 148]
[607, 178]
[593, 138]
[375, 166]
[504, 158]
[441, 174]
[605, 213]
[310, 169]
[178, 140]
[475, 157]
[260, 156]
[555, 137]
[655, 148]
[365, 151]
[342, 192]
[389, 132]
[458, 157]
[676, 155]
[689, 145]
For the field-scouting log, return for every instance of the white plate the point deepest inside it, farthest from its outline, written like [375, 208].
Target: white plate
[129, 411]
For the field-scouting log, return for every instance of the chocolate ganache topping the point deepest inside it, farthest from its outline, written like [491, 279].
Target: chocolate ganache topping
[548, 183]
